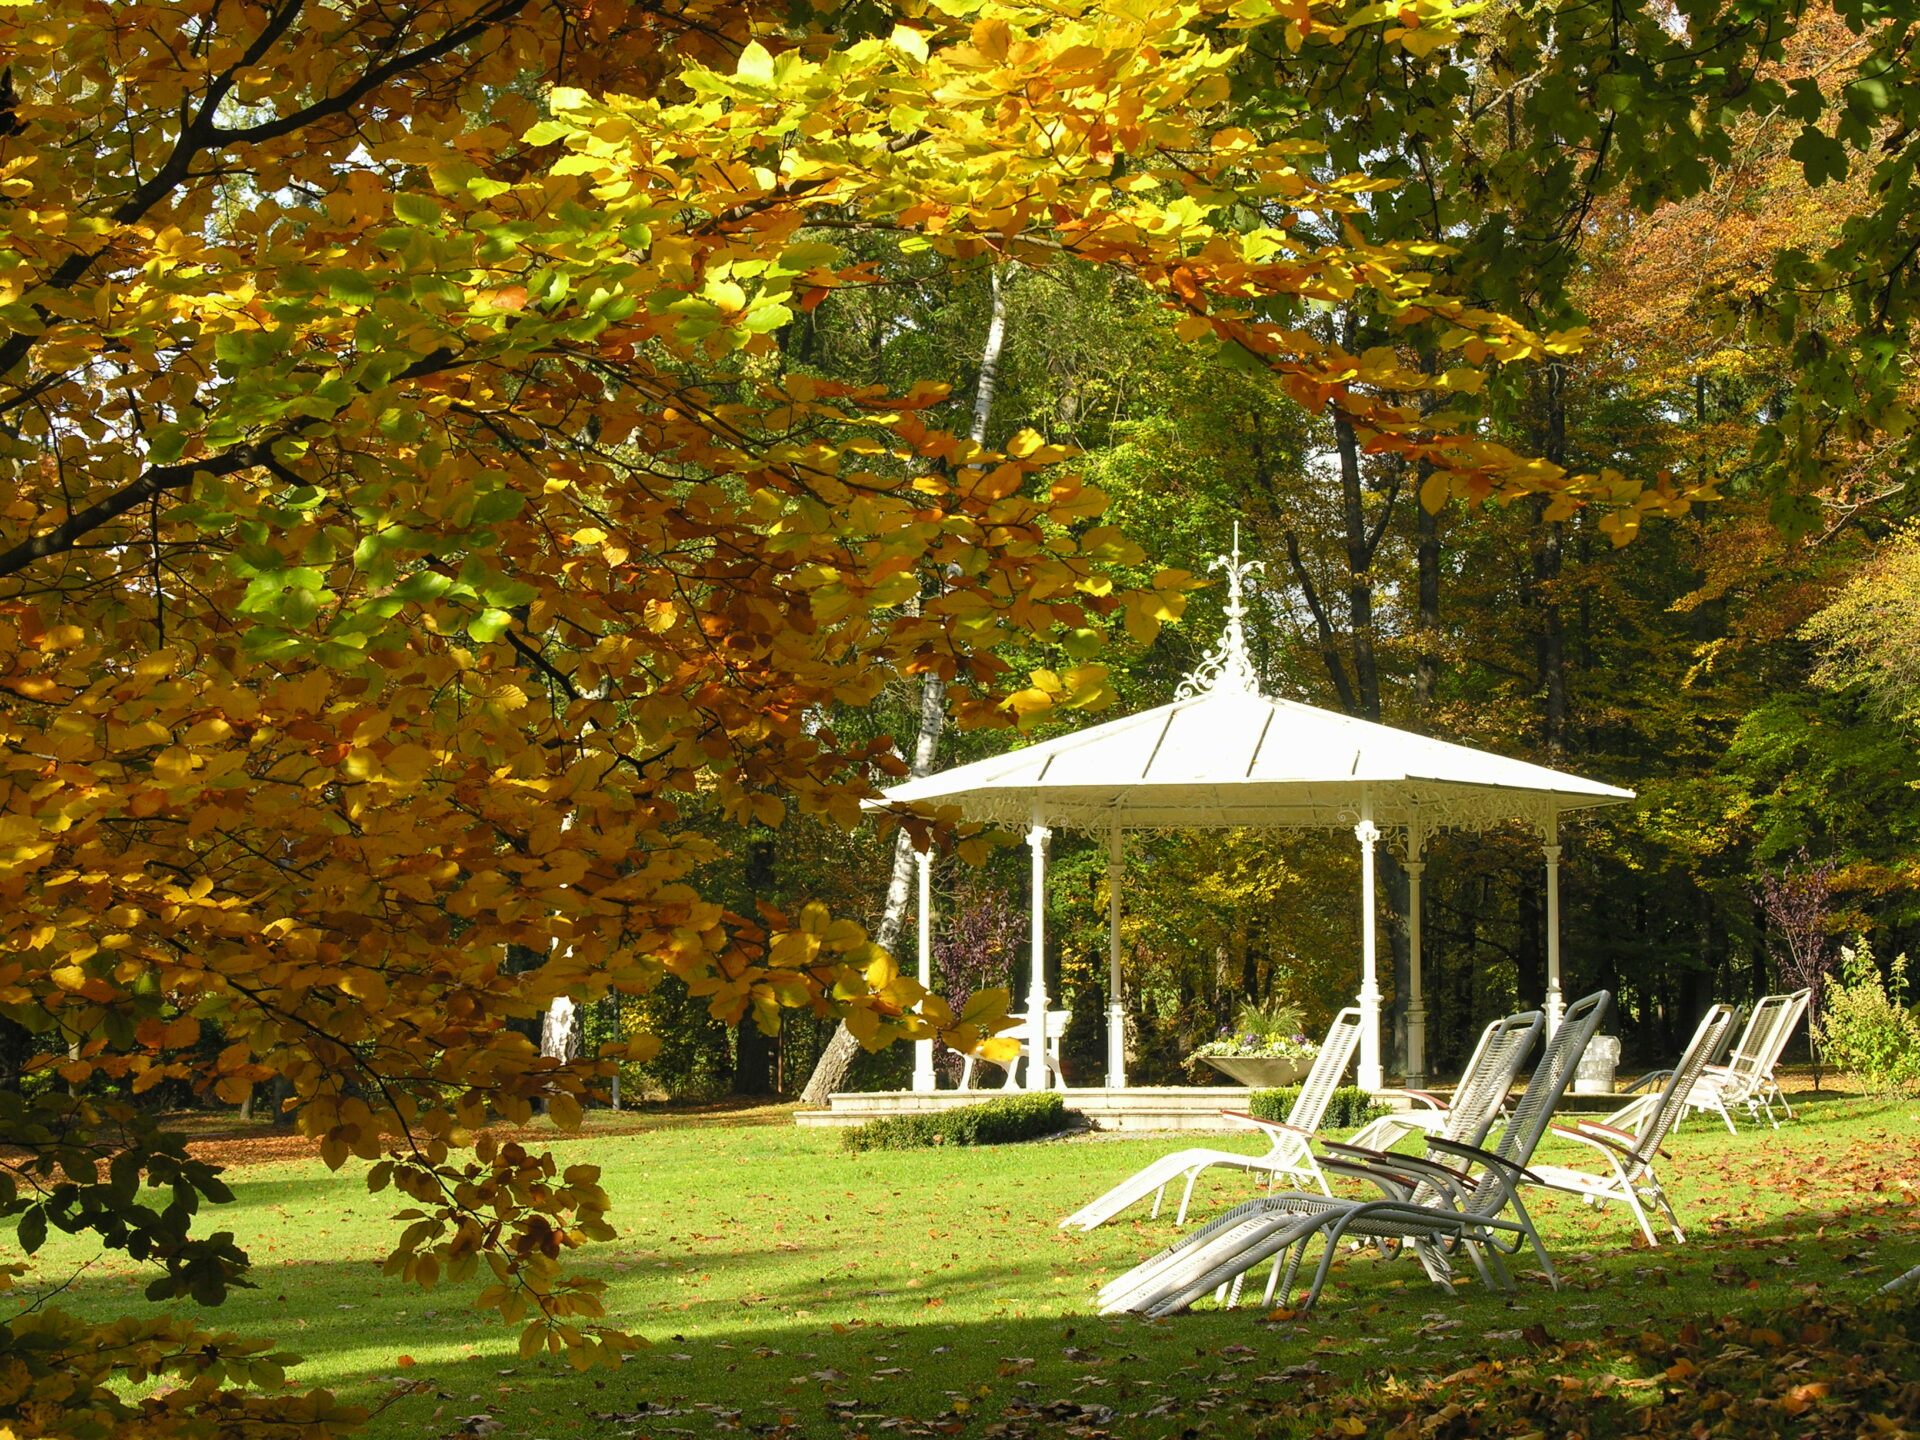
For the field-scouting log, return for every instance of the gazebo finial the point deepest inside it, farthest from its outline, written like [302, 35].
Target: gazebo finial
[1227, 667]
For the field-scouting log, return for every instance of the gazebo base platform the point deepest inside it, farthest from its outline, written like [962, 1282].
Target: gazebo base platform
[1143, 1108]
[1172, 1107]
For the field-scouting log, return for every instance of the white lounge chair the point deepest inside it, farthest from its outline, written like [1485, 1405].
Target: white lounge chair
[1288, 1154]
[1503, 1047]
[1747, 1078]
[1436, 1208]
[1768, 1090]
[1631, 1137]
[1650, 1082]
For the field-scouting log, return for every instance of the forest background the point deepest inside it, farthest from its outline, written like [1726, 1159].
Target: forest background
[1740, 667]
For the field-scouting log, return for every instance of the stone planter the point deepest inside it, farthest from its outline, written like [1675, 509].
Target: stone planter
[1260, 1072]
[1594, 1076]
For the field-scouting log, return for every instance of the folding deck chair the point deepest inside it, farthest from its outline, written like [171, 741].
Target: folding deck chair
[1288, 1153]
[1434, 1207]
[1493, 1064]
[1747, 1078]
[1652, 1081]
[1631, 1137]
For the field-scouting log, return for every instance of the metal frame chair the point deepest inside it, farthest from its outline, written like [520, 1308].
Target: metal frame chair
[1434, 1207]
[1288, 1153]
[1747, 1078]
[1653, 1080]
[1631, 1137]
[1476, 1099]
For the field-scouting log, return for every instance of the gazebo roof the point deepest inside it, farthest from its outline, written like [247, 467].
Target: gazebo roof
[1229, 758]
[1224, 755]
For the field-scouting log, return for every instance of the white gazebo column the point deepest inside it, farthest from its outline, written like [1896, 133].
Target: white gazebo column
[1371, 1077]
[1116, 1008]
[1556, 1003]
[923, 1073]
[1416, 1075]
[1037, 836]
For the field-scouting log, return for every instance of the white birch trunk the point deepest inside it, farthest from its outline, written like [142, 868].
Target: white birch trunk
[836, 1061]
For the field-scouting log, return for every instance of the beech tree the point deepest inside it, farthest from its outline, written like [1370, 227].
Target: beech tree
[407, 508]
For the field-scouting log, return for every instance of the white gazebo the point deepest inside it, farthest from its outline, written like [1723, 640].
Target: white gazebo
[1223, 755]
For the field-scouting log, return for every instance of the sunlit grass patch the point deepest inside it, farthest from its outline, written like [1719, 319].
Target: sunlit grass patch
[788, 1286]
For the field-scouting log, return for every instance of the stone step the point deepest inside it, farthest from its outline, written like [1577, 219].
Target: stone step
[1161, 1108]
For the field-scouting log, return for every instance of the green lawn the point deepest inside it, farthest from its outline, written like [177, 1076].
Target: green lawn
[790, 1287]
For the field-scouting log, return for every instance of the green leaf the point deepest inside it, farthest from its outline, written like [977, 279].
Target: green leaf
[497, 505]
[422, 585]
[416, 209]
[349, 287]
[1821, 156]
[489, 625]
[503, 593]
[32, 1233]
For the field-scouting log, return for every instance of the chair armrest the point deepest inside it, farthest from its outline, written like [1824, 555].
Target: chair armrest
[1625, 1139]
[1483, 1157]
[1247, 1119]
[1397, 1184]
[1377, 1157]
[1652, 1077]
[1443, 1176]
[1567, 1132]
[1424, 1097]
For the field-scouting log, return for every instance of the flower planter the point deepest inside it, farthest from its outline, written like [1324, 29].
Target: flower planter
[1260, 1072]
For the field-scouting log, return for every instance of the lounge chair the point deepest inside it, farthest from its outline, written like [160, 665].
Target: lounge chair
[1768, 1089]
[1630, 1138]
[1747, 1078]
[1653, 1080]
[1288, 1153]
[1434, 1207]
[1503, 1049]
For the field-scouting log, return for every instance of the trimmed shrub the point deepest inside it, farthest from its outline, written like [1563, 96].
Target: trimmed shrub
[1349, 1109]
[993, 1122]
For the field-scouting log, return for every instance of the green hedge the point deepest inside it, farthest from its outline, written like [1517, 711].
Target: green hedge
[1350, 1108]
[993, 1122]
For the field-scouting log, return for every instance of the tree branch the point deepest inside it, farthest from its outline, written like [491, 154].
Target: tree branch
[1329, 643]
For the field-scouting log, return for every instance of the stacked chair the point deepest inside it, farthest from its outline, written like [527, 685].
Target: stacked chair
[1503, 1048]
[1630, 1138]
[1289, 1154]
[1434, 1207]
[1747, 1079]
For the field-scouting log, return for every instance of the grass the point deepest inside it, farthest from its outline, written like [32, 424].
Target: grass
[789, 1287]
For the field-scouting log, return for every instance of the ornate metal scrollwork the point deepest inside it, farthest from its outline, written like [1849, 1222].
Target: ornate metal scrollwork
[1227, 667]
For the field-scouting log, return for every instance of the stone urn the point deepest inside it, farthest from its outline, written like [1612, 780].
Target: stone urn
[1260, 1072]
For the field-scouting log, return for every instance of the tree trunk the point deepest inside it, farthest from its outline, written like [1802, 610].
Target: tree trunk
[753, 1047]
[1362, 544]
[1529, 954]
[1426, 652]
[560, 1031]
[836, 1061]
[1548, 542]
[1360, 550]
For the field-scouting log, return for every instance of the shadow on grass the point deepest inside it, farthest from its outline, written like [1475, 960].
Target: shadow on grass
[887, 1359]
[866, 1324]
